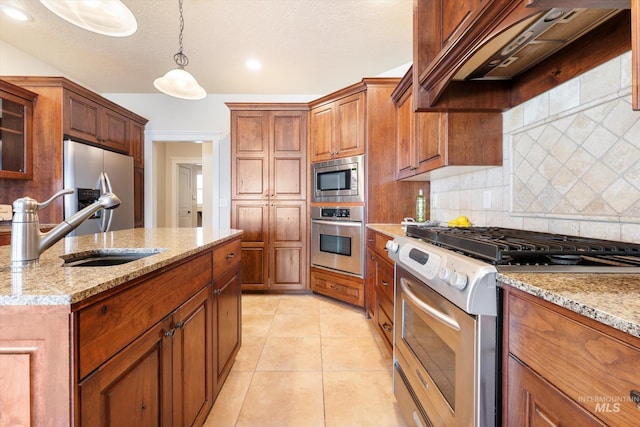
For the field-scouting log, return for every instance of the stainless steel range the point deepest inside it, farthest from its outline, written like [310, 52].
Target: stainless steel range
[446, 315]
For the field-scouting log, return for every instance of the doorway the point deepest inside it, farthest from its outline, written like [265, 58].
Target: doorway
[161, 176]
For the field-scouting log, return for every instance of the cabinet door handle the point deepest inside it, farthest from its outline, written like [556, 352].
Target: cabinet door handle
[231, 255]
[384, 283]
[179, 325]
[170, 333]
[217, 291]
[387, 327]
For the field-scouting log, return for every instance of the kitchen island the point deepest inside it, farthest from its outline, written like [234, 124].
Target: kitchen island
[148, 341]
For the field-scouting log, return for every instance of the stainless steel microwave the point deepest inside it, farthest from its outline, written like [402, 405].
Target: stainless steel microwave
[339, 180]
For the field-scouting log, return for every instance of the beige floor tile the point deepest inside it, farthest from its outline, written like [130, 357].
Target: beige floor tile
[291, 354]
[283, 399]
[331, 306]
[299, 305]
[352, 353]
[256, 325]
[344, 324]
[360, 399]
[285, 325]
[249, 354]
[229, 402]
[260, 304]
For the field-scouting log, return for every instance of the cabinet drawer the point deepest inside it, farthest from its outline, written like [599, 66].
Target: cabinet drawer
[106, 327]
[384, 319]
[338, 287]
[381, 246]
[226, 256]
[591, 367]
[384, 276]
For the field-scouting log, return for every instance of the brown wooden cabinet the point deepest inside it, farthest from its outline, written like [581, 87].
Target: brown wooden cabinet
[339, 286]
[227, 310]
[560, 368]
[380, 285]
[16, 131]
[338, 124]
[430, 141]
[92, 122]
[269, 194]
[66, 108]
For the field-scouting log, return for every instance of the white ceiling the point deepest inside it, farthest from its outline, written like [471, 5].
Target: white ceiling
[306, 46]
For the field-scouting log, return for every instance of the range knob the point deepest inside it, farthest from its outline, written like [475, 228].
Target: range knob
[445, 274]
[392, 246]
[458, 280]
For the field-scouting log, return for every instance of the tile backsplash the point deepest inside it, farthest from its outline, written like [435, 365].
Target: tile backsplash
[571, 163]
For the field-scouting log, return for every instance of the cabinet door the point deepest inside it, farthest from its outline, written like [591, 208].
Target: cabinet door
[114, 130]
[138, 197]
[288, 155]
[406, 150]
[192, 360]
[349, 137]
[249, 154]
[227, 321]
[322, 132]
[81, 117]
[132, 388]
[136, 143]
[288, 237]
[429, 139]
[532, 401]
[253, 218]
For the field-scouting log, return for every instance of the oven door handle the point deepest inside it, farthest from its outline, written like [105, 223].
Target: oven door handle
[340, 223]
[433, 312]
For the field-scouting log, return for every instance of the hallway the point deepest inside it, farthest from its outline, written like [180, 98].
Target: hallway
[307, 361]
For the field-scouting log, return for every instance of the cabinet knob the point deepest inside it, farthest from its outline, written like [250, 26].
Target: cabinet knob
[217, 291]
[170, 333]
[384, 283]
[231, 255]
[387, 327]
[179, 325]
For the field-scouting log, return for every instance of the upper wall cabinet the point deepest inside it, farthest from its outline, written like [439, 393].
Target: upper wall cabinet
[437, 144]
[495, 54]
[337, 125]
[16, 131]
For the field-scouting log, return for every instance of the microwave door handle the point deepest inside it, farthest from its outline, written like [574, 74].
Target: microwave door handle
[433, 312]
[340, 223]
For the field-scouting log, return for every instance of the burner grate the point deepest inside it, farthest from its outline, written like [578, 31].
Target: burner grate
[505, 245]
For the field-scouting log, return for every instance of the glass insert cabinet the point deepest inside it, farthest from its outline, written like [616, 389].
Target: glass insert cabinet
[16, 131]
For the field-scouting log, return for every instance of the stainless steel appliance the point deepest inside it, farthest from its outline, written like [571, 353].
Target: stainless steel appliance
[340, 180]
[92, 171]
[446, 344]
[337, 239]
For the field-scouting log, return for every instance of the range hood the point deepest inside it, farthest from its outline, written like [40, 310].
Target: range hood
[522, 46]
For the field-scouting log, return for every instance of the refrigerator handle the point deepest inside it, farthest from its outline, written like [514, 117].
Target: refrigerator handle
[105, 184]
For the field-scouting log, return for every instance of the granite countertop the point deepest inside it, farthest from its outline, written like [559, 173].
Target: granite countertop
[48, 283]
[609, 298]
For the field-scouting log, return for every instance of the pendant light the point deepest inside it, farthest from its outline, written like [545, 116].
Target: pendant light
[106, 17]
[178, 82]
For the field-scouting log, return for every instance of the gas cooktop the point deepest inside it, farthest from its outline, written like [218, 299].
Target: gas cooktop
[510, 247]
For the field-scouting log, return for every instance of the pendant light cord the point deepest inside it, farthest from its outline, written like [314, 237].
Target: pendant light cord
[180, 58]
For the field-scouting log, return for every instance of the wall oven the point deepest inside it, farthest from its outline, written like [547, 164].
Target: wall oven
[340, 180]
[337, 239]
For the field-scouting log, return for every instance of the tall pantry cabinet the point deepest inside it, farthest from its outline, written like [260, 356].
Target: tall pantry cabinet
[269, 167]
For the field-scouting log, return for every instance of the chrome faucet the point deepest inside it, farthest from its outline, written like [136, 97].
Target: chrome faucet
[28, 242]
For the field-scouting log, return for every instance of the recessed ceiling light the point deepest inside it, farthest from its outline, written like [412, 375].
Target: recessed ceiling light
[106, 17]
[16, 13]
[253, 64]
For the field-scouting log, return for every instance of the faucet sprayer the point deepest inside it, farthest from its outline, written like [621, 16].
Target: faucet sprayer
[28, 242]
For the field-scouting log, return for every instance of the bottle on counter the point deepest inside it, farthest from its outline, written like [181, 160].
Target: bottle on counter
[421, 207]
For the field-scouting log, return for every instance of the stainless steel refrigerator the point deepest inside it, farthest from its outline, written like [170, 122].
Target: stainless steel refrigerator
[91, 171]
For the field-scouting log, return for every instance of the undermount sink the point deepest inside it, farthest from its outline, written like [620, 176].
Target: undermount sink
[108, 257]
